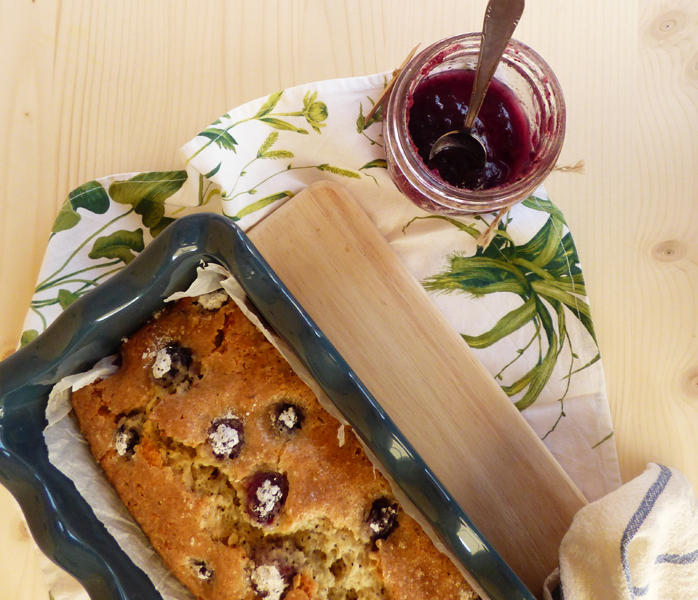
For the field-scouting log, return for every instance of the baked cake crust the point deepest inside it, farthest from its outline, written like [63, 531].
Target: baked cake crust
[244, 484]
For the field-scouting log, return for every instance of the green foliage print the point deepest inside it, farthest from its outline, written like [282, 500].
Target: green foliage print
[362, 123]
[314, 112]
[91, 196]
[121, 245]
[147, 193]
[267, 152]
[544, 272]
[110, 250]
[376, 163]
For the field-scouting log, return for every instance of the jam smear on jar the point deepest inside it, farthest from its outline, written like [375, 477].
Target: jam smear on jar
[439, 105]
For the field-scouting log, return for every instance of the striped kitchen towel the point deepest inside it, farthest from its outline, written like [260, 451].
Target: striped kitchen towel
[639, 542]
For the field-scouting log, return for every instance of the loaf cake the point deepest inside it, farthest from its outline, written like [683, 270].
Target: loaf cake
[246, 486]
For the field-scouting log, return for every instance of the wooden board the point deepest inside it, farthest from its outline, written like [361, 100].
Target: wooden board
[343, 272]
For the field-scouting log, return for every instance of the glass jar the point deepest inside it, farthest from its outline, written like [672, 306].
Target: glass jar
[533, 85]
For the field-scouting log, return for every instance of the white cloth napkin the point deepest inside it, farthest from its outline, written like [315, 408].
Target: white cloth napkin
[639, 542]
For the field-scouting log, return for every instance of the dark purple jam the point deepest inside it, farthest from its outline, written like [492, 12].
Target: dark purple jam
[439, 105]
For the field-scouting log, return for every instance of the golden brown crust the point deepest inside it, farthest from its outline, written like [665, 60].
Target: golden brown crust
[414, 568]
[204, 509]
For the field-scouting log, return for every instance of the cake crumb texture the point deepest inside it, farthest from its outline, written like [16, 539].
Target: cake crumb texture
[240, 478]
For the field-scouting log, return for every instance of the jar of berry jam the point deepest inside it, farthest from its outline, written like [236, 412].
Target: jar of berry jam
[521, 124]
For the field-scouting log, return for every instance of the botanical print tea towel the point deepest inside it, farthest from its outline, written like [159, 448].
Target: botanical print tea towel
[520, 303]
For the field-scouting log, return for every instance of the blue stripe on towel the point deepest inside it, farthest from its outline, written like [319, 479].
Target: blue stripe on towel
[559, 589]
[636, 522]
[678, 559]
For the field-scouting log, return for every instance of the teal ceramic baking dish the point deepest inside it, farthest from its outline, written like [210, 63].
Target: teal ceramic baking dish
[62, 522]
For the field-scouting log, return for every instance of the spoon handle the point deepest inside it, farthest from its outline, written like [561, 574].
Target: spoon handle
[501, 18]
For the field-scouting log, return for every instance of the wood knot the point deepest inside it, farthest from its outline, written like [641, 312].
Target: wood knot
[689, 383]
[668, 25]
[669, 251]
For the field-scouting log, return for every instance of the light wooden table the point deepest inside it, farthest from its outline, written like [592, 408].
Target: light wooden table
[90, 88]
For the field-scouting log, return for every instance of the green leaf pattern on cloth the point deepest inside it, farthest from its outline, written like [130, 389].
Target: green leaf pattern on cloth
[520, 304]
[91, 250]
[544, 273]
[122, 245]
[29, 335]
[91, 196]
[147, 193]
[66, 298]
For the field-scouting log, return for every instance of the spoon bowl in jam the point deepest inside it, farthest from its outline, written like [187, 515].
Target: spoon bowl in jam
[463, 148]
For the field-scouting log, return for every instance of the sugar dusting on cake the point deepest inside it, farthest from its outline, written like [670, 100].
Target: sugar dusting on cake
[269, 582]
[162, 364]
[224, 439]
[123, 441]
[288, 417]
[202, 570]
[213, 300]
[269, 495]
[340, 435]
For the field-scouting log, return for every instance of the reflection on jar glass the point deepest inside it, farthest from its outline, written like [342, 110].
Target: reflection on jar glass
[523, 145]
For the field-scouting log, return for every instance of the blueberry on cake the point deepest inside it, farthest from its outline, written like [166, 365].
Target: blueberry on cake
[244, 484]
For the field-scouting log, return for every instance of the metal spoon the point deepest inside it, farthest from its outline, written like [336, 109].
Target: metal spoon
[501, 18]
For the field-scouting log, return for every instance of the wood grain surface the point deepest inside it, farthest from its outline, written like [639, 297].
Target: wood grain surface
[94, 87]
